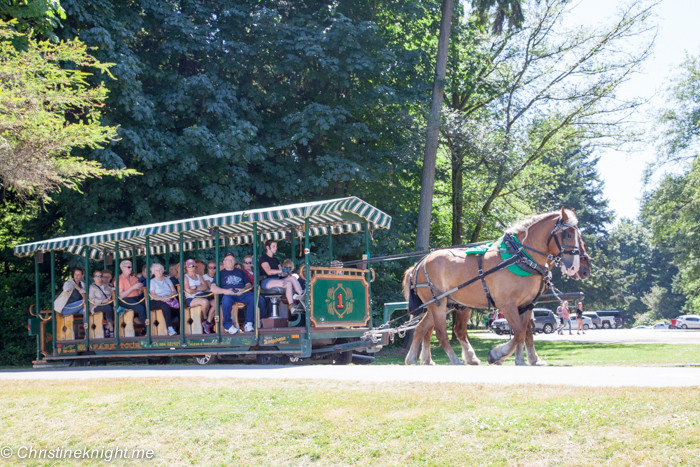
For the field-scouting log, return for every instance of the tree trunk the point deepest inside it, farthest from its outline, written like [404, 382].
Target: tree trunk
[457, 201]
[431, 138]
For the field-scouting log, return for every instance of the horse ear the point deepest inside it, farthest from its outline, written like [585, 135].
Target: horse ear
[564, 216]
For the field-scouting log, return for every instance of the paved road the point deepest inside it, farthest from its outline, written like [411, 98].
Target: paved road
[569, 376]
[620, 336]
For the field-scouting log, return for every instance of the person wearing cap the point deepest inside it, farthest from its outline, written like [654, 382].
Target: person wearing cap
[196, 291]
[235, 288]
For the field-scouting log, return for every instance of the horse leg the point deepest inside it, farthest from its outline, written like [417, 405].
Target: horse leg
[461, 320]
[440, 322]
[499, 353]
[532, 357]
[425, 325]
[425, 355]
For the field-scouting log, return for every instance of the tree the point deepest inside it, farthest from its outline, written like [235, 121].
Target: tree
[39, 17]
[545, 90]
[46, 110]
[672, 209]
[504, 10]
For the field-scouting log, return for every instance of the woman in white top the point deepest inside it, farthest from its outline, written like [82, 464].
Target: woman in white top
[197, 294]
[163, 295]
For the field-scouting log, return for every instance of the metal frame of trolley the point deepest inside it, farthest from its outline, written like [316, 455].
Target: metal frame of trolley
[328, 330]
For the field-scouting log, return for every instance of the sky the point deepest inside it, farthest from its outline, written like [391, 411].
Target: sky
[678, 33]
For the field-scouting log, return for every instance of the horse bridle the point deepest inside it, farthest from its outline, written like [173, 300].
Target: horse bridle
[557, 234]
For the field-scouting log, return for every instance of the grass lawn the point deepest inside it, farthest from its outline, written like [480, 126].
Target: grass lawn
[568, 353]
[229, 422]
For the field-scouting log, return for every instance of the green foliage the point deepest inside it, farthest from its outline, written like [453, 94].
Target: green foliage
[46, 110]
[672, 209]
[37, 16]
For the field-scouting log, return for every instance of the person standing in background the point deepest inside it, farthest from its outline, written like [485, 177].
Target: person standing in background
[579, 317]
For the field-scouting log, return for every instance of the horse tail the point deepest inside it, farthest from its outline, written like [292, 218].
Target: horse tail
[414, 302]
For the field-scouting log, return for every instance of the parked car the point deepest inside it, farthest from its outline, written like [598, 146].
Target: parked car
[641, 327]
[661, 326]
[610, 319]
[500, 326]
[545, 320]
[595, 319]
[688, 322]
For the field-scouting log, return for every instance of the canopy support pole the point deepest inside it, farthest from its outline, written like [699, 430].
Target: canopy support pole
[294, 250]
[53, 299]
[37, 303]
[86, 318]
[217, 257]
[368, 275]
[255, 279]
[307, 269]
[117, 271]
[330, 245]
[148, 292]
[182, 290]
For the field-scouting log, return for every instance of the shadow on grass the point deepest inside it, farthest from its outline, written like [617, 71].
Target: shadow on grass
[567, 353]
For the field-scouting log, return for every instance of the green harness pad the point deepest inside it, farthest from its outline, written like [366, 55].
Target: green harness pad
[505, 254]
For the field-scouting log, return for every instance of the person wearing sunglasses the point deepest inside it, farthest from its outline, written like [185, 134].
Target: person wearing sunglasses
[100, 301]
[197, 294]
[131, 292]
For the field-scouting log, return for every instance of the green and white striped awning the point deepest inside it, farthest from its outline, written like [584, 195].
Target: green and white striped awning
[339, 216]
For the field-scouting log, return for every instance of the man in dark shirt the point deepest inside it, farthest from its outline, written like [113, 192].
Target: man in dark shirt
[232, 283]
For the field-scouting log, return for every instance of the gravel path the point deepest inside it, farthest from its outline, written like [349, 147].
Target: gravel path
[570, 376]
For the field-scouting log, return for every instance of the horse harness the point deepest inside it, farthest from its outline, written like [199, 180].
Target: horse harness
[518, 257]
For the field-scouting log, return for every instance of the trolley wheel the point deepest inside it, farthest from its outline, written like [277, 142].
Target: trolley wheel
[266, 359]
[208, 359]
[344, 358]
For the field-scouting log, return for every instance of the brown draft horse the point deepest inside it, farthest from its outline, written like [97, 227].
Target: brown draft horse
[450, 268]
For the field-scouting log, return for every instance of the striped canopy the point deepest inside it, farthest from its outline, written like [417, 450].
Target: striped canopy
[339, 216]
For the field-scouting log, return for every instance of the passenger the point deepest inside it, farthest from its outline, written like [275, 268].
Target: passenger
[163, 296]
[142, 275]
[72, 292]
[238, 266]
[248, 268]
[211, 273]
[270, 270]
[107, 279]
[100, 300]
[196, 292]
[263, 303]
[232, 283]
[201, 267]
[131, 292]
[174, 273]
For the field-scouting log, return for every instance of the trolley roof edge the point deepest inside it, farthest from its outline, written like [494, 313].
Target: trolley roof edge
[339, 216]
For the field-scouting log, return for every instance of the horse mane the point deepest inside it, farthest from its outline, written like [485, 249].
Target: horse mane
[525, 224]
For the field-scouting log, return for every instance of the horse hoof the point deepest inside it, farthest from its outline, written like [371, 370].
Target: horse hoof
[490, 357]
[474, 362]
[410, 362]
[517, 363]
[540, 363]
